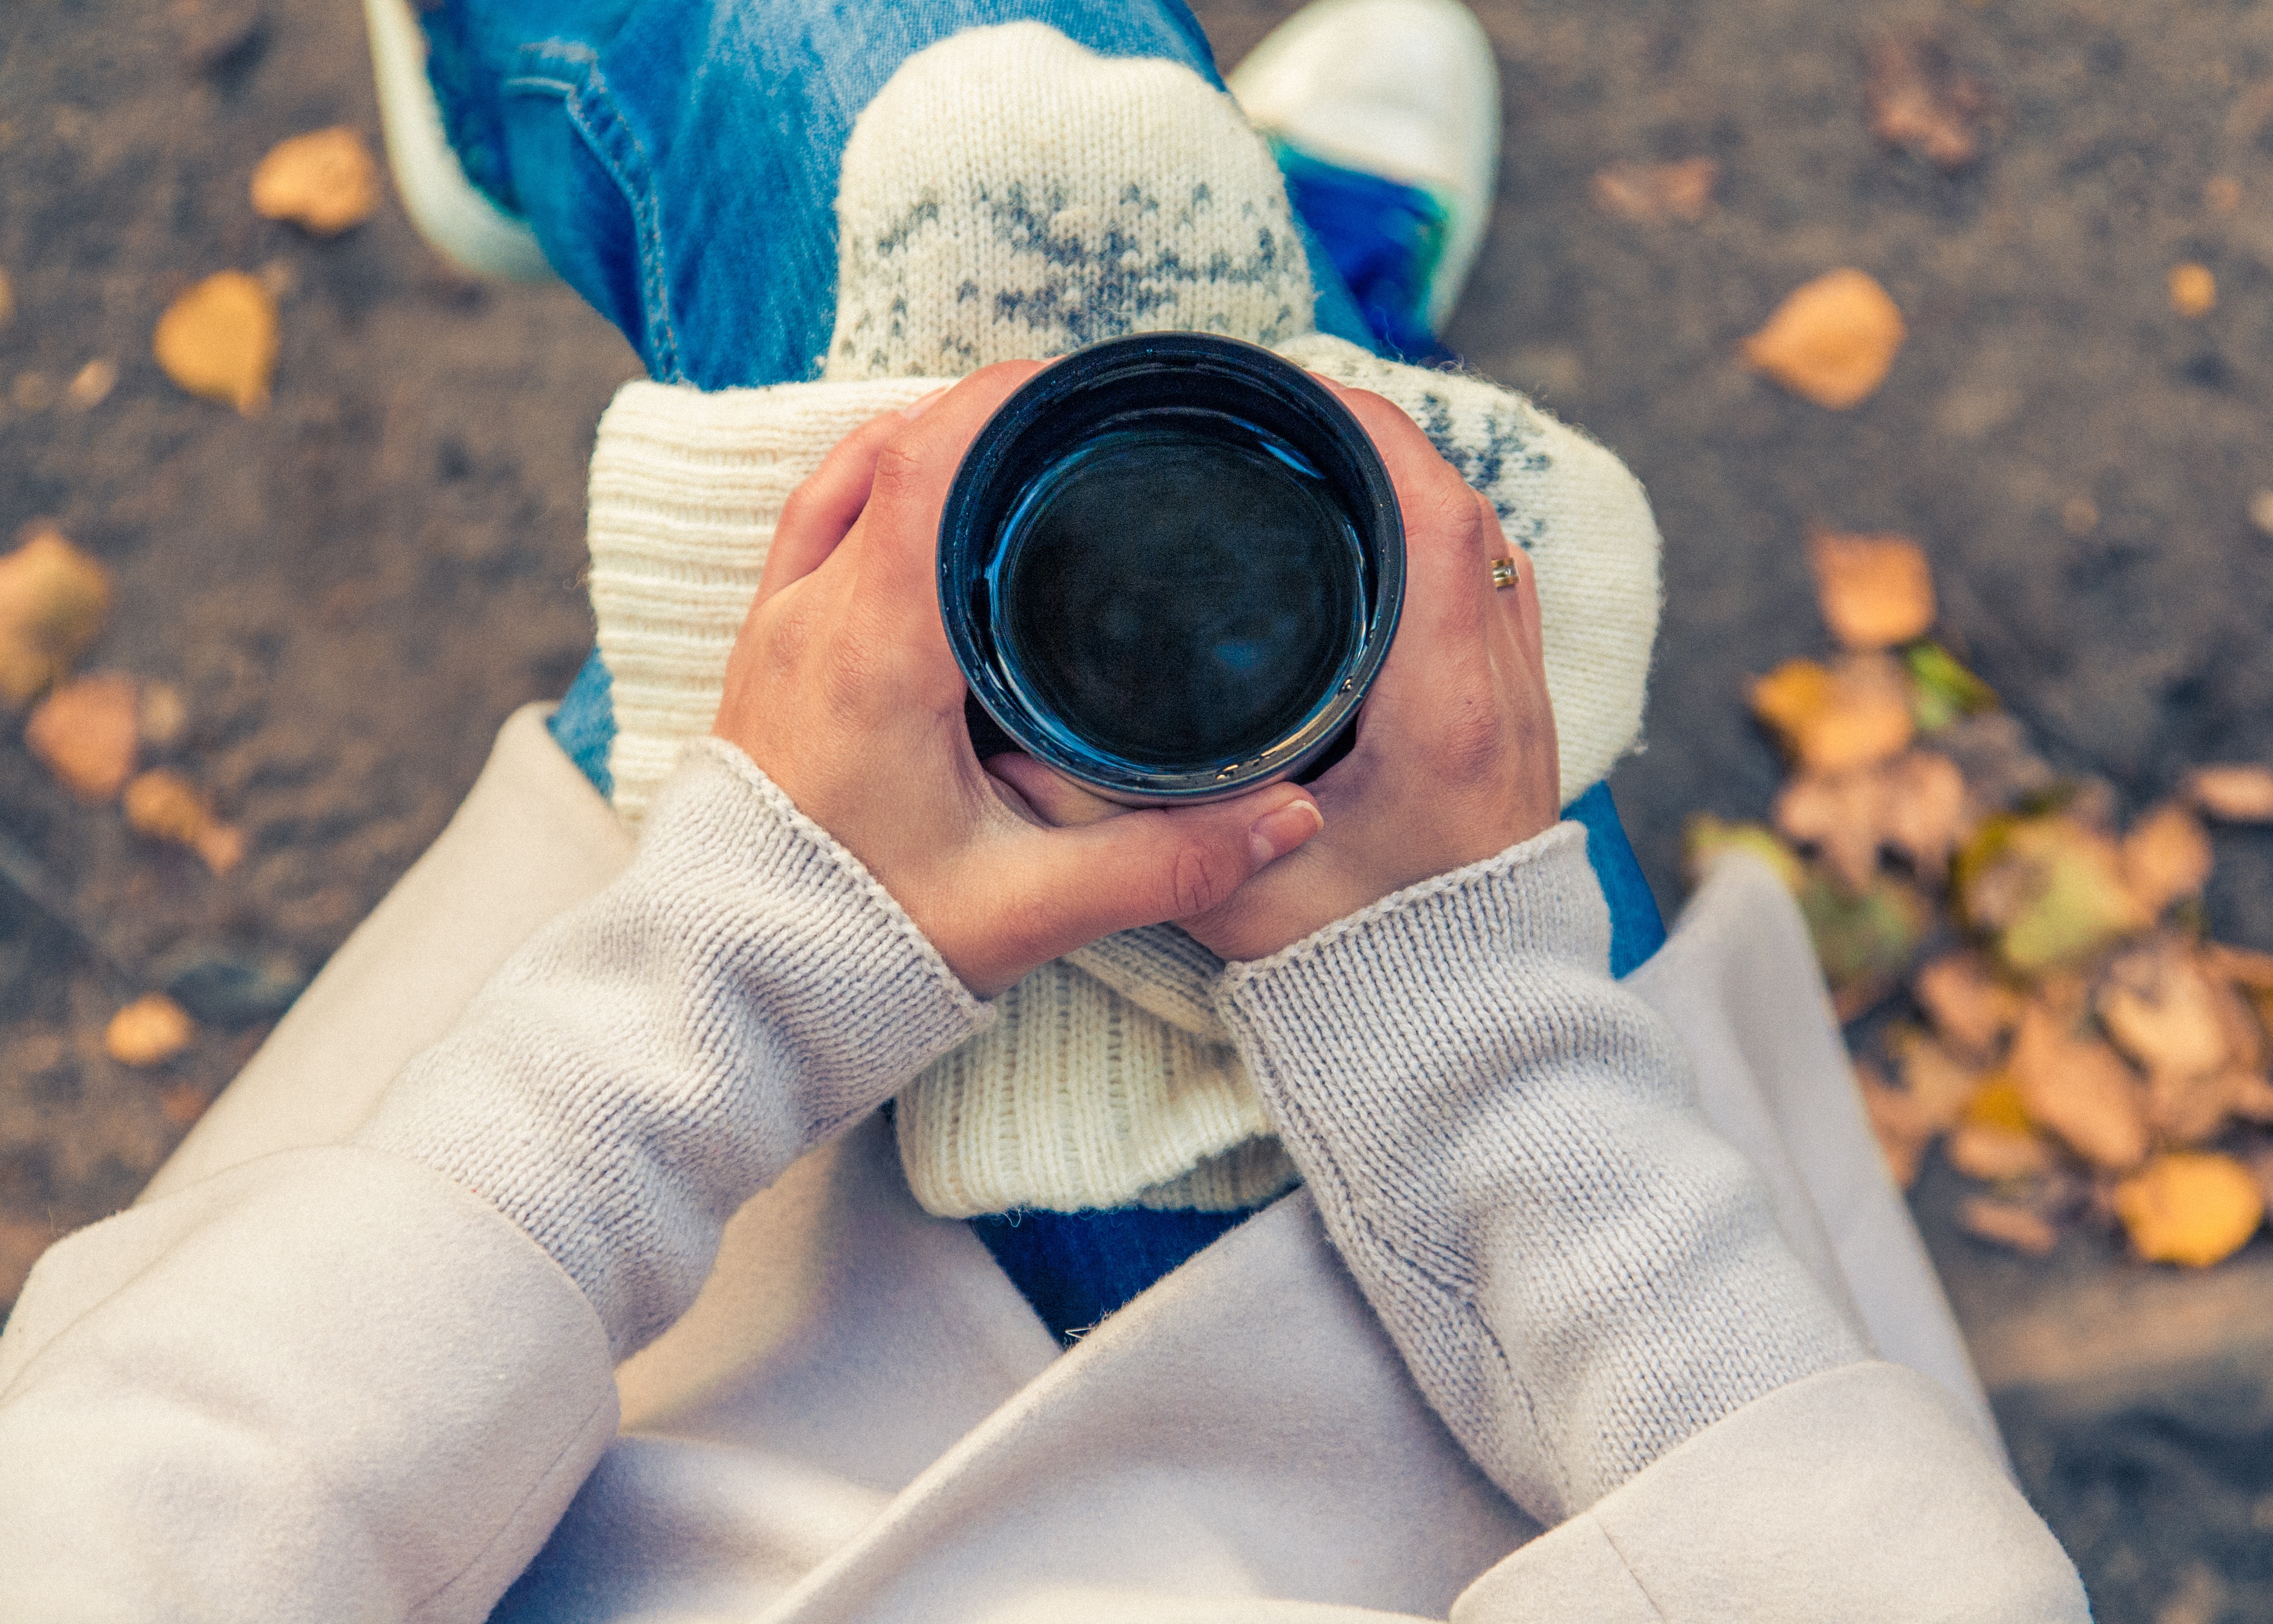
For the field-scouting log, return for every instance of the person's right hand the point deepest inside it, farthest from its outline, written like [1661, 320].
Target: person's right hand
[1455, 757]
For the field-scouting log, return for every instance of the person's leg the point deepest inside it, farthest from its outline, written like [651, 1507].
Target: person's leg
[678, 159]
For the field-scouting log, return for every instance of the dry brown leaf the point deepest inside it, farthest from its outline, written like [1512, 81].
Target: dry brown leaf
[2078, 1088]
[165, 806]
[1920, 102]
[7, 301]
[2185, 1108]
[1875, 590]
[1838, 815]
[2164, 1011]
[1940, 1084]
[2007, 1223]
[324, 180]
[1831, 342]
[2233, 792]
[1997, 1155]
[1836, 718]
[2191, 1207]
[2193, 290]
[53, 602]
[2251, 1098]
[2243, 966]
[1967, 1004]
[85, 732]
[219, 341]
[149, 1032]
[1649, 193]
[2166, 857]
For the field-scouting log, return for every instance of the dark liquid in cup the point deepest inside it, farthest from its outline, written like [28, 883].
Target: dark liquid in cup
[1180, 591]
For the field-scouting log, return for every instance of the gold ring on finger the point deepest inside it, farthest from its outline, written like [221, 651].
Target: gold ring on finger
[1506, 573]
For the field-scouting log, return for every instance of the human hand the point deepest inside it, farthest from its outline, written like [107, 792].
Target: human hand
[1455, 757]
[842, 688]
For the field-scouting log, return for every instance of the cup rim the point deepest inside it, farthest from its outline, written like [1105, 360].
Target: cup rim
[962, 557]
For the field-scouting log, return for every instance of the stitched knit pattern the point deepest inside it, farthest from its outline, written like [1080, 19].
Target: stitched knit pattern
[683, 506]
[1506, 1148]
[1009, 194]
[654, 1058]
[1110, 1081]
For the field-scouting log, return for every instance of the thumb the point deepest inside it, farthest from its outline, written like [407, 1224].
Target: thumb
[1152, 866]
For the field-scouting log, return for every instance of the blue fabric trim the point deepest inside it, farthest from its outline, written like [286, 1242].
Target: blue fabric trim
[1385, 240]
[1637, 928]
[584, 723]
[1078, 1267]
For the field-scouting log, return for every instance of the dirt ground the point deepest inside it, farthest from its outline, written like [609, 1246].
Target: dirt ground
[354, 590]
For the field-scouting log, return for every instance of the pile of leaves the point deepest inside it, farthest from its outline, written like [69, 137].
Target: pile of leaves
[107, 737]
[2026, 984]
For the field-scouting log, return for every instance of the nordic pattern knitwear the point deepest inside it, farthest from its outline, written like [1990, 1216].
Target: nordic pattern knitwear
[1009, 194]
[1112, 1065]
[654, 1058]
[1506, 1149]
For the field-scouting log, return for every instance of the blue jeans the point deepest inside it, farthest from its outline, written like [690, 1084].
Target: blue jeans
[678, 159]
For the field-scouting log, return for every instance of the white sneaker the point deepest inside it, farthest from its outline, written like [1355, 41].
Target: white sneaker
[1404, 89]
[457, 221]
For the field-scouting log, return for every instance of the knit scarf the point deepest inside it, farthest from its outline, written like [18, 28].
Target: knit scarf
[1011, 195]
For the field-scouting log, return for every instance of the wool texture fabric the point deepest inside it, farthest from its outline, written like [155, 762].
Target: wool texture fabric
[1504, 1144]
[1506, 1149]
[651, 1061]
[1009, 194]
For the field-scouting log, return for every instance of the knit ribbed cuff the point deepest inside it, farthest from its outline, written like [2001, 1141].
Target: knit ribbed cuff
[1506, 1148]
[651, 1060]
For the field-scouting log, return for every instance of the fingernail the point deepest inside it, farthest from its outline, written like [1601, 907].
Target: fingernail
[923, 403]
[1277, 833]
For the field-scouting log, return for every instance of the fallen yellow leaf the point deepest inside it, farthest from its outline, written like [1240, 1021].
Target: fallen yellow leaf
[86, 733]
[1998, 1105]
[2080, 1089]
[2051, 889]
[2193, 290]
[149, 1032]
[53, 602]
[324, 180]
[2191, 1207]
[1831, 342]
[165, 806]
[219, 341]
[1875, 590]
[2233, 792]
[1832, 719]
[2166, 857]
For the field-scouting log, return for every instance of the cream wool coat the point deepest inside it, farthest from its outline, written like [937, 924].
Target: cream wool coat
[860, 1418]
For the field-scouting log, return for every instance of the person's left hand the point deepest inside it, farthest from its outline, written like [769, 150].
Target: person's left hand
[842, 688]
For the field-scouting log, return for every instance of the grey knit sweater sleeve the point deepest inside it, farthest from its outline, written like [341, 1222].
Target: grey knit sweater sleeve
[651, 1060]
[1507, 1152]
